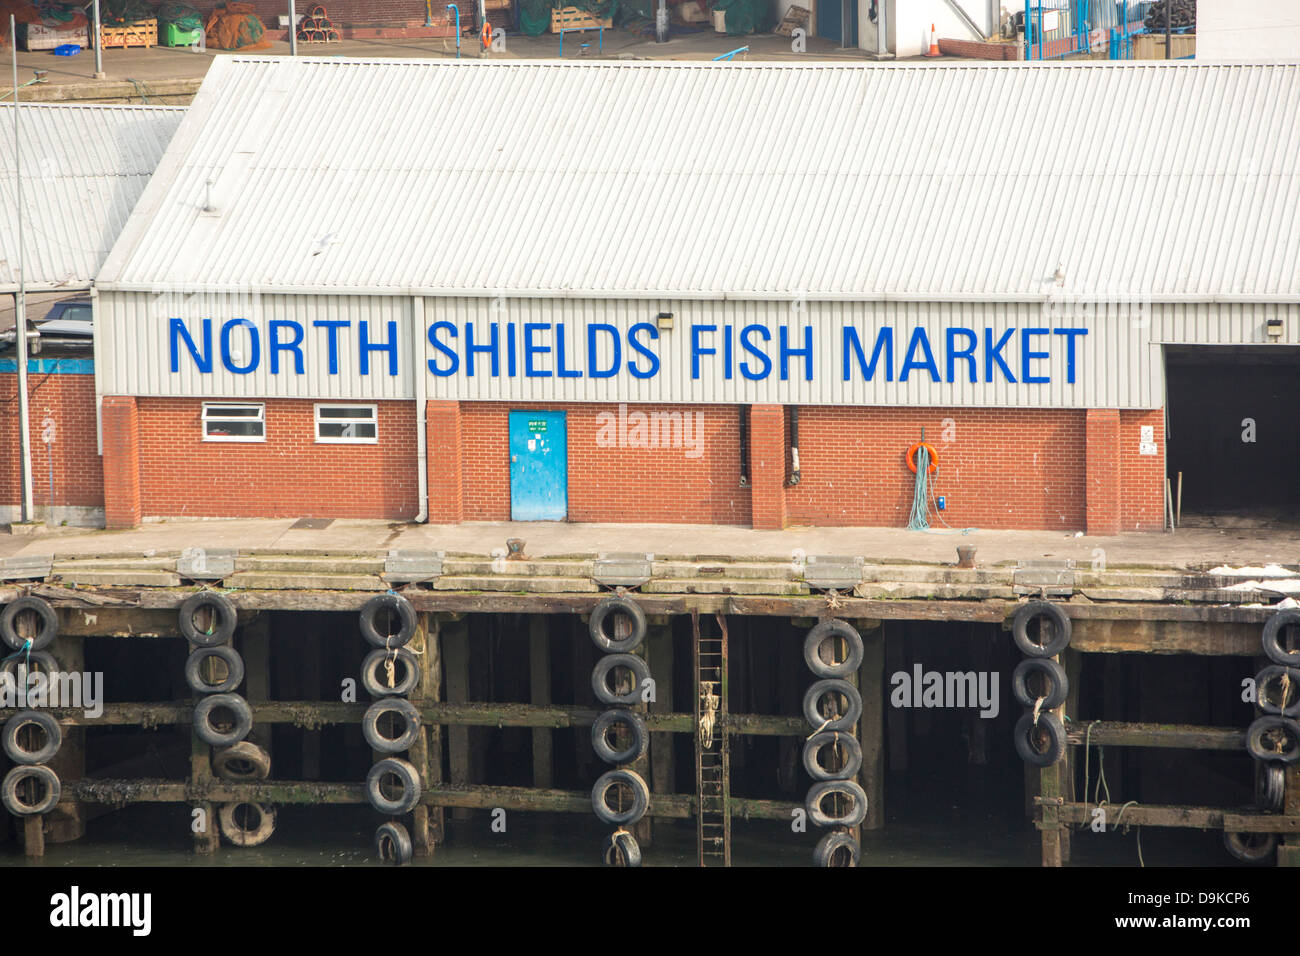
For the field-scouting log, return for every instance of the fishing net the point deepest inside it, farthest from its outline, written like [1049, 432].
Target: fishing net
[236, 27]
[23, 12]
[116, 13]
[60, 16]
[180, 15]
[535, 15]
[747, 16]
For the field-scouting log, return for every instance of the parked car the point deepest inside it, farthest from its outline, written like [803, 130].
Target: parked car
[67, 323]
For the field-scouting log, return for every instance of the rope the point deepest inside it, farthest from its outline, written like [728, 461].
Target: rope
[923, 497]
[919, 518]
[710, 715]
[24, 651]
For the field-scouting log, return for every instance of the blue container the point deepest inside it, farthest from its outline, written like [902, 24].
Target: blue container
[67, 49]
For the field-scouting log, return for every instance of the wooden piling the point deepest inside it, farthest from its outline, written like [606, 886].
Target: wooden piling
[255, 645]
[1073, 662]
[871, 729]
[423, 645]
[67, 821]
[455, 663]
[659, 650]
[208, 838]
[539, 688]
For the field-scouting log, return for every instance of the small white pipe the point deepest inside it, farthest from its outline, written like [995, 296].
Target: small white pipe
[421, 389]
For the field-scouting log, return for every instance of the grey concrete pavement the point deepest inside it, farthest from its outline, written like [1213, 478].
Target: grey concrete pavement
[1186, 548]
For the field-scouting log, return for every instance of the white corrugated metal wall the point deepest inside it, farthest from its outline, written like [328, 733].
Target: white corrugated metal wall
[1118, 363]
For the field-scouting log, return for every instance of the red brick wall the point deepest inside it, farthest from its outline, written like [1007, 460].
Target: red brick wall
[121, 462]
[1102, 466]
[768, 441]
[69, 401]
[287, 476]
[998, 468]
[1142, 477]
[612, 483]
[445, 443]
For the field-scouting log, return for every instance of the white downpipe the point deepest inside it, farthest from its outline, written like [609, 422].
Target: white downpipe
[420, 381]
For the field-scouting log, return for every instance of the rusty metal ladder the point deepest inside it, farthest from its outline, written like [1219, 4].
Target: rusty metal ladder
[712, 746]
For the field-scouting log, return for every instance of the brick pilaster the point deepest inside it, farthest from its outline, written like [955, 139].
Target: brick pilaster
[443, 433]
[121, 423]
[767, 465]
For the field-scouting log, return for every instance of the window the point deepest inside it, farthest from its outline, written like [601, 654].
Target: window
[347, 424]
[234, 422]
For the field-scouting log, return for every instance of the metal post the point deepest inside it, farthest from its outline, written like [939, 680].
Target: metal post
[20, 306]
[1029, 33]
[456, 10]
[99, 47]
[1168, 45]
[661, 22]
[293, 29]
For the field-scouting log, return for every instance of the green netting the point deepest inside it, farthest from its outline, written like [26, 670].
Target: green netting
[181, 15]
[535, 15]
[747, 16]
[118, 12]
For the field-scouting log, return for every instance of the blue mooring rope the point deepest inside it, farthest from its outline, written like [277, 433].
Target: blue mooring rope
[923, 498]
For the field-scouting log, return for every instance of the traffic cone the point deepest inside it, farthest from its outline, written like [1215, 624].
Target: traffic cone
[934, 46]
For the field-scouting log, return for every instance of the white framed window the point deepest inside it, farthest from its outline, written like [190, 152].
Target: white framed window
[230, 421]
[347, 424]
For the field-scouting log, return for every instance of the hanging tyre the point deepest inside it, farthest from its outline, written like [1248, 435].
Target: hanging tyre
[1277, 690]
[849, 791]
[621, 692]
[196, 678]
[30, 790]
[831, 632]
[629, 809]
[1251, 847]
[836, 848]
[208, 619]
[1274, 739]
[823, 709]
[604, 625]
[1036, 677]
[246, 824]
[633, 727]
[1040, 629]
[374, 673]
[1275, 638]
[1270, 786]
[850, 755]
[222, 719]
[1041, 744]
[391, 725]
[36, 662]
[393, 786]
[32, 737]
[242, 761]
[29, 618]
[393, 844]
[387, 621]
[620, 849]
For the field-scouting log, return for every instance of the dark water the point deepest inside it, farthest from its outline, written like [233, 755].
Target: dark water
[158, 835]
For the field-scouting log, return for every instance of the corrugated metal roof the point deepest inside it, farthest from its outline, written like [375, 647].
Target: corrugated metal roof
[1174, 181]
[83, 169]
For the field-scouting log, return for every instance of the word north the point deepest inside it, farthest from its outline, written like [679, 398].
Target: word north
[951, 689]
[74, 909]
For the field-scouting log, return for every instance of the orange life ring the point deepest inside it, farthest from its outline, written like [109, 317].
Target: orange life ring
[911, 458]
[486, 37]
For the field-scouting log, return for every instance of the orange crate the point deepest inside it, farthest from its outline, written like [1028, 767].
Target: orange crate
[571, 18]
[138, 33]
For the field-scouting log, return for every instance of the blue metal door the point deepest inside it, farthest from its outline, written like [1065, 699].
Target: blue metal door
[539, 466]
[830, 20]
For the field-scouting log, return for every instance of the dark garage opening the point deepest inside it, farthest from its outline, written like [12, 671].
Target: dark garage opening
[1234, 433]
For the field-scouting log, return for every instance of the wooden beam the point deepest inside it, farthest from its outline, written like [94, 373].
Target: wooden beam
[122, 792]
[1145, 636]
[419, 750]
[1197, 818]
[871, 730]
[1175, 736]
[539, 688]
[455, 662]
[659, 650]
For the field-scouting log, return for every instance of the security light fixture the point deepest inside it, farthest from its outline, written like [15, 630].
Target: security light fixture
[1274, 328]
[665, 320]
